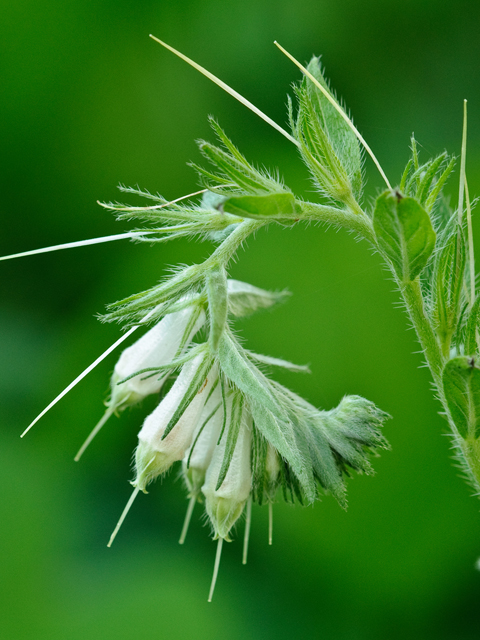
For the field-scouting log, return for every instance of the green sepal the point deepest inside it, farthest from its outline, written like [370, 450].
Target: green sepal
[196, 385]
[343, 139]
[259, 466]
[328, 145]
[216, 285]
[404, 233]
[471, 344]
[232, 436]
[276, 206]
[281, 435]
[447, 286]
[461, 387]
[244, 299]
[233, 167]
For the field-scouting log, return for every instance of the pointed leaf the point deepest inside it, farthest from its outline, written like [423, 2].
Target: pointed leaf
[236, 366]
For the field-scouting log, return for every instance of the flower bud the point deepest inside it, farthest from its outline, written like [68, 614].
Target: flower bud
[157, 347]
[199, 455]
[225, 505]
[156, 452]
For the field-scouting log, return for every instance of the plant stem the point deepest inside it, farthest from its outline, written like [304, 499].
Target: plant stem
[357, 221]
[413, 298]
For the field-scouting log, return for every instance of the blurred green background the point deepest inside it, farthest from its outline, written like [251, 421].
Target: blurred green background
[88, 101]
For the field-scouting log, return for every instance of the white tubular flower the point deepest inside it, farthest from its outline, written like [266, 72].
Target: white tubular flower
[199, 455]
[225, 505]
[157, 347]
[156, 452]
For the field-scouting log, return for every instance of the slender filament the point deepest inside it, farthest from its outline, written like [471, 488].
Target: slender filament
[228, 89]
[78, 243]
[463, 156]
[123, 516]
[471, 254]
[218, 555]
[331, 99]
[246, 537]
[94, 432]
[188, 517]
[80, 377]
[270, 523]
[118, 236]
[87, 371]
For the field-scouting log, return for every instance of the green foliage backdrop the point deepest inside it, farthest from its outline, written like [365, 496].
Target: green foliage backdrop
[89, 101]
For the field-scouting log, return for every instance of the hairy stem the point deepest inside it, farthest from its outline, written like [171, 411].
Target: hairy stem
[413, 299]
[357, 221]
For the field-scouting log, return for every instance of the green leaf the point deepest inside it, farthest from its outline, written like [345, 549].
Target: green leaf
[216, 285]
[276, 205]
[404, 233]
[236, 366]
[461, 386]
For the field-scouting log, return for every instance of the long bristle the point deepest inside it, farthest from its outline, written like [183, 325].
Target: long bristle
[330, 98]
[218, 555]
[228, 89]
[123, 516]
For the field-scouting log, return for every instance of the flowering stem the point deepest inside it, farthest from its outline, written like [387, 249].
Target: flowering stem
[414, 302]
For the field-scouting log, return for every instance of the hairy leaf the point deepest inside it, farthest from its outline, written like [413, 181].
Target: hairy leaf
[404, 233]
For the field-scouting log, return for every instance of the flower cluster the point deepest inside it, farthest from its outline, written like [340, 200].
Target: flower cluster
[239, 435]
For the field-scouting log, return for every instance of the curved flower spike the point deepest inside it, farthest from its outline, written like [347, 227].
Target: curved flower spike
[161, 443]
